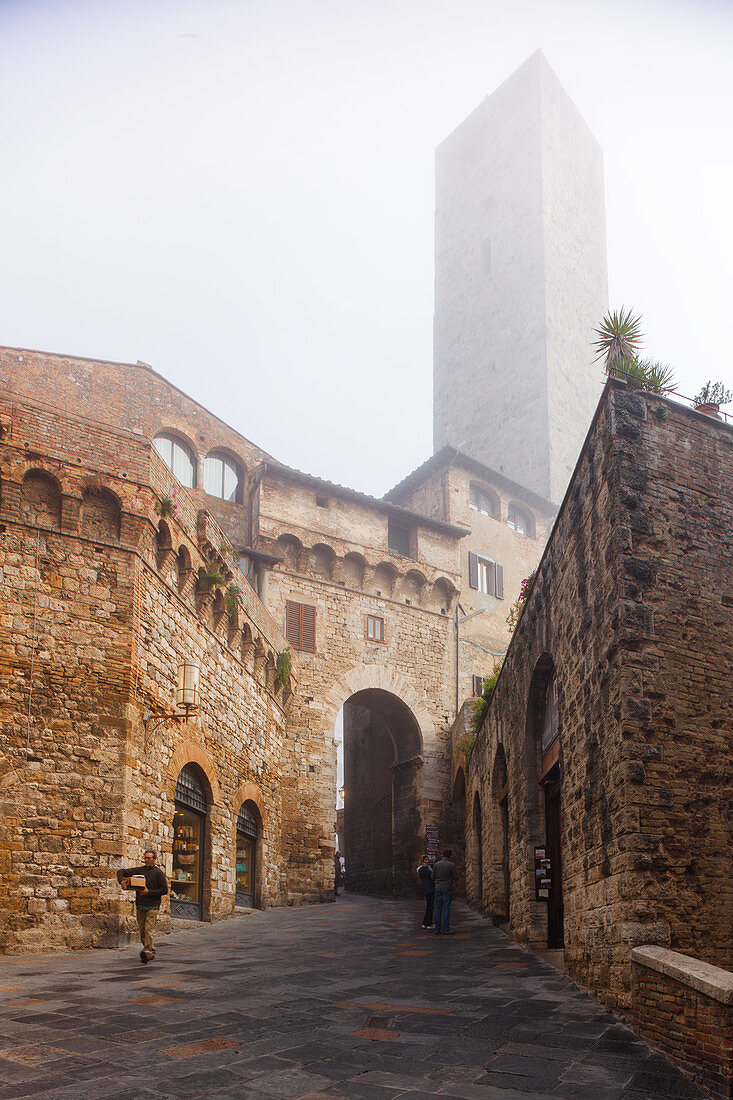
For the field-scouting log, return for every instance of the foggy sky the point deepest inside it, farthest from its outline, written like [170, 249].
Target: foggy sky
[241, 194]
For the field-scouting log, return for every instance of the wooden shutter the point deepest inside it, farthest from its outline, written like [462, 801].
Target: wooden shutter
[308, 627]
[472, 570]
[478, 685]
[498, 580]
[292, 623]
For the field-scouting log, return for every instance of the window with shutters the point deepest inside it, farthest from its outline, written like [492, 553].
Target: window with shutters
[375, 628]
[398, 539]
[486, 576]
[480, 500]
[300, 626]
[520, 520]
[478, 686]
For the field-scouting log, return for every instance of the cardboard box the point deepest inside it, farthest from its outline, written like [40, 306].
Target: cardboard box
[137, 880]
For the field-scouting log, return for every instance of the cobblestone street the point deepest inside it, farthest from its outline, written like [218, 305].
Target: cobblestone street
[344, 1000]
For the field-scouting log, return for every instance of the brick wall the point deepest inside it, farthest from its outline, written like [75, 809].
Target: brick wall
[685, 1008]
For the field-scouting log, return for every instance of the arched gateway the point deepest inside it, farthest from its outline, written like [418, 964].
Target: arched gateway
[383, 802]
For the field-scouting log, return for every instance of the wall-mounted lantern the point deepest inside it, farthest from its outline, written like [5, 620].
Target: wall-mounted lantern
[188, 697]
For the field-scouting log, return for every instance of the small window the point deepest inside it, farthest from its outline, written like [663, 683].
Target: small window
[375, 628]
[300, 626]
[321, 502]
[223, 477]
[520, 521]
[481, 501]
[486, 576]
[478, 686]
[398, 539]
[178, 457]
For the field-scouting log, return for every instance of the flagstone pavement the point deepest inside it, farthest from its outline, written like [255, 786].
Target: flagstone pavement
[345, 1000]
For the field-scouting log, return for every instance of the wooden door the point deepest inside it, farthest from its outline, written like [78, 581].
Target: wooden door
[553, 817]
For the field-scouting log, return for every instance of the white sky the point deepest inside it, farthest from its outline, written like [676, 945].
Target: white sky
[241, 193]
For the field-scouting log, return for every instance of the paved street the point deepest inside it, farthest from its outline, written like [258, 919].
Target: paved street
[344, 1000]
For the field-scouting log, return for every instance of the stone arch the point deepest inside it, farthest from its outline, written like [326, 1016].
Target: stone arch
[457, 822]
[250, 792]
[353, 569]
[412, 586]
[100, 514]
[290, 548]
[184, 569]
[476, 894]
[191, 752]
[441, 594]
[40, 499]
[362, 678]
[321, 559]
[383, 581]
[499, 840]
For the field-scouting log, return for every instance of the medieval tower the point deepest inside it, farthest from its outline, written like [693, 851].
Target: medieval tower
[520, 282]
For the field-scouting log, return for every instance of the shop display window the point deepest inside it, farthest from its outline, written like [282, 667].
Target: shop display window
[186, 885]
[246, 855]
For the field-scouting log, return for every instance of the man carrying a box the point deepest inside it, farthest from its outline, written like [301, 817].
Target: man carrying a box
[151, 884]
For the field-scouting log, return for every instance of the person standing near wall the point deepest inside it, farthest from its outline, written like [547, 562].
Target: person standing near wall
[147, 902]
[444, 875]
[428, 888]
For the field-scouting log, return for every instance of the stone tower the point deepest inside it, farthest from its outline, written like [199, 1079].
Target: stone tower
[520, 281]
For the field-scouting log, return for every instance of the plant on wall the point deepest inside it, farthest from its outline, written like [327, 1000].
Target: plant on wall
[165, 506]
[479, 707]
[712, 394]
[283, 668]
[214, 578]
[232, 600]
[516, 609]
[619, 344]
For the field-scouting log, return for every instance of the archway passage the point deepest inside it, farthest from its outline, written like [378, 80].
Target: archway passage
[383, 826]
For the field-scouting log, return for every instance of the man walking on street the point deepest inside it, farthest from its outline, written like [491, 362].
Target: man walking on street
[427, 886]
[444, 875]
[147, 902]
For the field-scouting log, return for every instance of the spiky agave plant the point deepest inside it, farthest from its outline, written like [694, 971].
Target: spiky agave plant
[619, 339]
[657, 377]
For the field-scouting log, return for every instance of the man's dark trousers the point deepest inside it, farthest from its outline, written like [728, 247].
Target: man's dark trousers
[443, 899]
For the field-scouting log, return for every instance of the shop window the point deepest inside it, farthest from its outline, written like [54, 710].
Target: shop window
[300, 626]
[486, 576]
[223, 477]
[189, 832]
[247, 833]
[521, 521]
[482, 501]
[398, 539]
[178, 457]
[375, 628]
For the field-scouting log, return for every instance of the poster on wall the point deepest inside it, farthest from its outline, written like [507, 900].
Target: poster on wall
[431, 842]
[542, 876]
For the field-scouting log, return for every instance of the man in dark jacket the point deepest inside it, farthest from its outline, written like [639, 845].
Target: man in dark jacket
[147, 902]
[444, 875]
[428, 888]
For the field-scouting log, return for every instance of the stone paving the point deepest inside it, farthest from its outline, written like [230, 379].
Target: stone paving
[344, 1000]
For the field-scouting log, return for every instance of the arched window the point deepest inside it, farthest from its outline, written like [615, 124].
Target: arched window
[482, 501]
[223, 477]
[520, 521]
[178, 457]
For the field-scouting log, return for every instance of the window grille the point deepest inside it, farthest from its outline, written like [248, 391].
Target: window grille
[189, 790]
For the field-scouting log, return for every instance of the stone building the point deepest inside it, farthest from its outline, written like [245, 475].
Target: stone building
[362, 592]
[104, 599]
[520, 281]
[506, 528]
[596, 803]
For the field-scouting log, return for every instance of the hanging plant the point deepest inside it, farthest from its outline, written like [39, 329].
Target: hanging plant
[232, 600]
[283, 668]
[517, 607]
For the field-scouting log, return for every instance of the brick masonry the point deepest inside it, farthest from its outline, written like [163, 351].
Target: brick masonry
[686, 1009]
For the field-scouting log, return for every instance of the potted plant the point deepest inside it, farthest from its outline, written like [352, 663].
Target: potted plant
[710, 397]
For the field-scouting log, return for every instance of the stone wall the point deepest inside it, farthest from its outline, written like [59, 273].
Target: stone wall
[102, 600]
[632, 612]
[336, 560]
[685, 1008]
